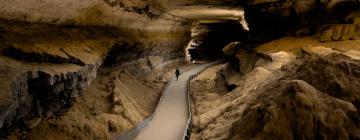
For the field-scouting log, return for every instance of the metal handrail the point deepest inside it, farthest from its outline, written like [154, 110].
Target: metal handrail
[187, 131]
[132, 133]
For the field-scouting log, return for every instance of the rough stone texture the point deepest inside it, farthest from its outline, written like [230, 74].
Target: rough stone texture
[115, 102]
[94, 13]
[304, 95]
[58, 46]
[247, 60]
[41, 70]
[341, 76]
[296, 110]
[273, 19]
[67, 41]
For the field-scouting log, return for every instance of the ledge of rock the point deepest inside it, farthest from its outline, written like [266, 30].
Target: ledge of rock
[43, 67]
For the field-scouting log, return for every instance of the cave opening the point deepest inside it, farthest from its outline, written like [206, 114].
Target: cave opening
[40, 89]
[209, 38]
[49, 98]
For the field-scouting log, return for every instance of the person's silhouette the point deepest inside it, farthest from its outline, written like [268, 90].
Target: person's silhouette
[177, 73]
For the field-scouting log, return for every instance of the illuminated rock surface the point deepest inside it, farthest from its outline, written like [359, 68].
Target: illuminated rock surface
[93, 69]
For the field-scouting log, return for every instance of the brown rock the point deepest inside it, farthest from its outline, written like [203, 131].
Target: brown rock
[296, 110]
[34, 122]
[247, 60]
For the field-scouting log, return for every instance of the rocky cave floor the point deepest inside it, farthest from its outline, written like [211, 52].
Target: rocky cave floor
[289, 88]
[93, 69]
[309, 91]
[300, 92]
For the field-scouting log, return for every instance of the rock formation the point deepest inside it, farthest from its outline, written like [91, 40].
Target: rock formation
[51, 52]
[93, 69]
[303, 94]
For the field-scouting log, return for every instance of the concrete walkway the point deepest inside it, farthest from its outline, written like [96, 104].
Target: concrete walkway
[170, 119]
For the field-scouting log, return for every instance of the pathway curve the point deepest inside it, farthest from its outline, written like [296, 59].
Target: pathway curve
[170, 119]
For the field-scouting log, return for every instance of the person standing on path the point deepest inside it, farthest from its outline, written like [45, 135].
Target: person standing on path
[177, 73]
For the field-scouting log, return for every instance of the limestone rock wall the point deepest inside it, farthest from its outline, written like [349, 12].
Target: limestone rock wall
[51, 50]
[43, 67]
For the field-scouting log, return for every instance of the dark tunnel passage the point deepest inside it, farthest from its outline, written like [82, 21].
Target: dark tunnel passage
[208, 39]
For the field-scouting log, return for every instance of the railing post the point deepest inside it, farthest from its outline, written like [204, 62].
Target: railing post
[187, 132]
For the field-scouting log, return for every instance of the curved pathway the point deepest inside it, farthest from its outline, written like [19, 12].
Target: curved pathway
[172, 114]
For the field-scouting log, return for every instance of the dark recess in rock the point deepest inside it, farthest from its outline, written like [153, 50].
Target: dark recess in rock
[215, 38]
[43, 96]
[36, 57]
[230, 87]
[119, 53]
